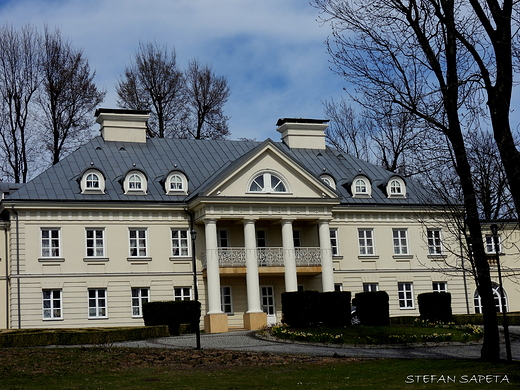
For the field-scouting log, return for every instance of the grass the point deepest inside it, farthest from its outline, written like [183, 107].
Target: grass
[398, 334]
[126, 368]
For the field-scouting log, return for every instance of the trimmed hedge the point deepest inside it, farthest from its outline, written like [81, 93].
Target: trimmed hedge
[172, 314]
[461, 319]
[305, 309]
[372, 308]
[81, 336]
[435, 306]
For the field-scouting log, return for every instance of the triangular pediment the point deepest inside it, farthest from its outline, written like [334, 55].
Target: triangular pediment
[236, 180]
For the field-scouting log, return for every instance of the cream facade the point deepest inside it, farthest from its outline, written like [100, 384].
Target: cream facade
[110, 227]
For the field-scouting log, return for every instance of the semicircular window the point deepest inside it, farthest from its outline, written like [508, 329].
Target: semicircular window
[92, 182]
[267, 182]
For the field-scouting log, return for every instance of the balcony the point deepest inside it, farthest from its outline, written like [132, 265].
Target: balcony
[270, 260]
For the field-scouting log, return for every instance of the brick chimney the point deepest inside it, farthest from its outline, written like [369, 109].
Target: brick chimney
[122, 125]
[301, 133]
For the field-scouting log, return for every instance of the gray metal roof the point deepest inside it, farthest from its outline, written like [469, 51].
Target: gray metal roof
[203, 162]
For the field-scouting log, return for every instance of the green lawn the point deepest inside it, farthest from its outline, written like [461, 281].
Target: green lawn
[126, 368]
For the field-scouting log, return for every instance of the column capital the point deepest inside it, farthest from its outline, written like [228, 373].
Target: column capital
[209, 220]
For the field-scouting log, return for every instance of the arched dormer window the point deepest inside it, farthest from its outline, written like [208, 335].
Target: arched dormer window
[268, 183]
[176, 183]
[92, 182]
[328, 180]
[135, 183]
[361, 187]
[396, 188]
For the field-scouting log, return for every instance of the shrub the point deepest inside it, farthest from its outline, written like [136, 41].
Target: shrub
[334, 308]
[435, 306]
[372, 308]
[173, 314]
[300, 308]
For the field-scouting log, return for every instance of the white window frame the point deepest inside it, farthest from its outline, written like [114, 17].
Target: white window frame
[52, 305]
[266, 187]
[97, 303]
[297, 238]
[226, 300]
[366, 242]
[477, 301]
[334, 242]
[138, 243]
[176, 183]
[182, 293]
[139, 295]
[50, 245]
[95, 244]
[400, 242]
[440, 286]
[361, 187]
[223, 238]
[88, 183]
[490, 244]
[405, 295]
[369, 287]
[327, 179]
[434, 237]
[130, 183]
[396, 188]
[180, 243]
[338, 287]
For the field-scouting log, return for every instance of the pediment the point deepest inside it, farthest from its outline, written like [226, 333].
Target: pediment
[270, 163]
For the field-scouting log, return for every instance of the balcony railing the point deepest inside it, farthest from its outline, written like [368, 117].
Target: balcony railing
[266, 257]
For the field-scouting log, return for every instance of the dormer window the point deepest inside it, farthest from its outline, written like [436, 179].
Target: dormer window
[92, 182]
[135, 183]
[361, 187]
[176, 183]
[396, 188]
[328, 180]
[267, 182]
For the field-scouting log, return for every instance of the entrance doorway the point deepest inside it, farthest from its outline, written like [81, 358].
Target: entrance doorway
[268, 307]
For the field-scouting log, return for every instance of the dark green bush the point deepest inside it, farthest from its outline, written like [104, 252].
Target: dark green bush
[300, 308]
[334, 308]
[173, 314]
[435, 306]
[372, 308]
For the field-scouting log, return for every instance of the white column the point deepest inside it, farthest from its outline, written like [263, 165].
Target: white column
[252, 279]
[212, 267]
[291, 281]
[327, 270]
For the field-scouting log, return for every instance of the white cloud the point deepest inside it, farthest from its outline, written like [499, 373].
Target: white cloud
[271, 51]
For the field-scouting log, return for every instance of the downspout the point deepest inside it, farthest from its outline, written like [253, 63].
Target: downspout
[7, 276]
[17, 257]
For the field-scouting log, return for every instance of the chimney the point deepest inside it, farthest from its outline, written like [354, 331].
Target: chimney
[301, 133]
[122, 125]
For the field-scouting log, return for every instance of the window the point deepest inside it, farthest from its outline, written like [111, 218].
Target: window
[405, 291]
[139, 296]
[396, 188]
[261, 238]
[92, 182]
[499, 304]
[369, 287]
[223, 238]
[97, 303]
[440, 287]
[267, 182]
[95, 242]
[180, 245]
[135, 183]
[328, 180]
[138, 242]
[434, 242]
[176, 184]
[50, 242]
[338, 287]
[297, 238]
[182, 293]
[490, 244]
[400, 241]
[52, 304]
[226, 300]
[361, 187]
[366, 242]
[334, 242]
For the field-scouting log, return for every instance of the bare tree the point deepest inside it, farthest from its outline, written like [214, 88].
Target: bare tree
[19, 80]
[68, 95]
[206, 95]
[153, 82]
[408, 53]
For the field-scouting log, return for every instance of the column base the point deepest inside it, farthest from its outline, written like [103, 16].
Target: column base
[216, 323]
[254, 321]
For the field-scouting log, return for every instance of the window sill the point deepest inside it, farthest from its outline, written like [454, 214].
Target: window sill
[52, 319]
[93, 192]
[51, 259]
[139, 259]
[402, 257]
[337, 257]
[439, 257]
[407, 308]
[180, 258]
[95, 259]
[368, 257]
[98, 318]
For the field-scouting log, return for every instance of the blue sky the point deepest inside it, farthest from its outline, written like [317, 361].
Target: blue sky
[271, 51]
